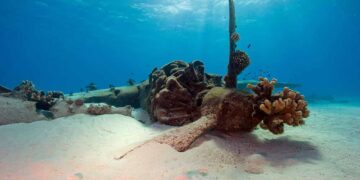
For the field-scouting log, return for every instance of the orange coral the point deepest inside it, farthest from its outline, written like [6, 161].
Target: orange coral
[287, 107]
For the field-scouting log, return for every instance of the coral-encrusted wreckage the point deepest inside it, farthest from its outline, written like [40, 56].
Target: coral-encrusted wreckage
[51, 105]
[183, 94]
[44, 101]
[200, 104]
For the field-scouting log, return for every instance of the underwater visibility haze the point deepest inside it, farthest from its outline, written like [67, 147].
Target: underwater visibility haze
[179, 89]
[66, 44]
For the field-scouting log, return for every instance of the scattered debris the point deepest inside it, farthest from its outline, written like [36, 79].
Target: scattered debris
[3, 89]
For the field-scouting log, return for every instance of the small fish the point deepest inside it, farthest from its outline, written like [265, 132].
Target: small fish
[248, 46]
[91, 87]
[131, 82]
[243, 84]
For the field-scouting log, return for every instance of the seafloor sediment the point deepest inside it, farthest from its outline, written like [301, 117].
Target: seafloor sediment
[84, 147]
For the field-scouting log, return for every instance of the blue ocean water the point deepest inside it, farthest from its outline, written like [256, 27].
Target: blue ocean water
[65, 44]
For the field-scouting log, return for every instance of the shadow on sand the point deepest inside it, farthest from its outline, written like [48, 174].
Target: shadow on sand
[279, 151]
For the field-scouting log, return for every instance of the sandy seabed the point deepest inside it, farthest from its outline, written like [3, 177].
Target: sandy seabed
[86, 147]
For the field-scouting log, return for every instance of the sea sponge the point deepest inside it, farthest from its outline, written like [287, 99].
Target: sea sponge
[99, 109]
[176, 92]
[238, 62]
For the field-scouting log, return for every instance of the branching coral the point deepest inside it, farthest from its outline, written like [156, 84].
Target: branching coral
[27, 91]
[287, 107]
